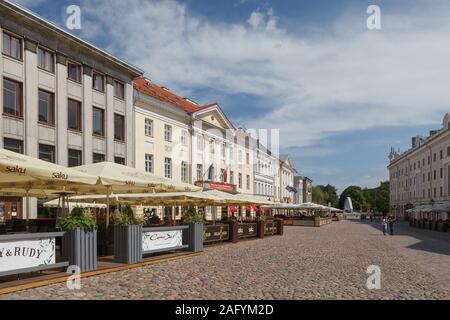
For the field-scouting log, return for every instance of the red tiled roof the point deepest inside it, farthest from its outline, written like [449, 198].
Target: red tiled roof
[146, 87]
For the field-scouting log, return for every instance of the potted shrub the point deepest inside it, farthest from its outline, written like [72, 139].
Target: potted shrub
[79, 244]
[127, 237]
[194, 236]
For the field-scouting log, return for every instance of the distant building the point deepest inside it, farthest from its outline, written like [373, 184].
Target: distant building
[287, 173]
[307, 189]
[421, 175]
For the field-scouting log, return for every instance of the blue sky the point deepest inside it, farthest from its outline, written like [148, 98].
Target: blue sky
[340, 94]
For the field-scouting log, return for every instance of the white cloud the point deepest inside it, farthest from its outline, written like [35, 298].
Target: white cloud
[347, 79]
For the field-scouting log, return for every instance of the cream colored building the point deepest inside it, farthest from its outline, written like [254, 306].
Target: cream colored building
[286, 176]
[421, 175]
[63, 99]
[180, 140]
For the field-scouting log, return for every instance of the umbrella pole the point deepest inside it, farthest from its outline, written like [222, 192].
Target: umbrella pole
[28, 204]
[107, 206]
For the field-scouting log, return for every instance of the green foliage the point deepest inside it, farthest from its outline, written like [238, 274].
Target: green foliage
[325, 195]
[127, 217]
[78, 218]
[368, 199]
[45, 213]
[357, 196]
[192, 216]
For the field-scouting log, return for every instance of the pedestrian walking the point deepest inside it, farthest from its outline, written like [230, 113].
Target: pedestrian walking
[384, 225]
[391, 221]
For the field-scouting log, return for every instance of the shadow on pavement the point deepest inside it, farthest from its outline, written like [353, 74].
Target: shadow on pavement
[431, 241]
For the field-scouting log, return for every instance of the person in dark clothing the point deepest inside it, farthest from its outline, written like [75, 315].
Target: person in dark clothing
[391, 221]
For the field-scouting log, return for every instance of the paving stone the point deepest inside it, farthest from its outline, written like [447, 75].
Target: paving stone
[306, 263]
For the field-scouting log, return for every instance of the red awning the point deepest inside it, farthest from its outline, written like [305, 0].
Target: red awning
[255, 208]
[266, 209]
[233, 209]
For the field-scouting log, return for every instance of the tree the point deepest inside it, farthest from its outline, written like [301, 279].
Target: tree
[318, 196]
[325, 195]
[357, 196]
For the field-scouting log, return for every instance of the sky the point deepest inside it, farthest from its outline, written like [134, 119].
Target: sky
[340, 94]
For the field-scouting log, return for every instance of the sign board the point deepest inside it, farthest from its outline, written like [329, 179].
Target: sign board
[157, 240]
[23, 254]
[214, 233]
[247, 230]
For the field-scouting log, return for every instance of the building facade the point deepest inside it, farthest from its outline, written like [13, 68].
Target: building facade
[421, 175]
[266, 173]
[286, 175]
[63, 100]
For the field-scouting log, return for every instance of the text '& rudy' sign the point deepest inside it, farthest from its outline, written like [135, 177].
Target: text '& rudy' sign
[15, 255]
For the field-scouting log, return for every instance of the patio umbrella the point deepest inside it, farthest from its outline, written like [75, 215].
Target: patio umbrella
[116, 178]
[23, 175]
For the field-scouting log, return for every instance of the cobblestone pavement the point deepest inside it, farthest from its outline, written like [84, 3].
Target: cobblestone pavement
[306, 263]
[430, 250]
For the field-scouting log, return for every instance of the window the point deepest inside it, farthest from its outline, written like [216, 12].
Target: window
[73, 72]
[184, 138]
[240, 156]
[98, 122]
[119, 160]
[74, 115]
[119, 90]
[222, 175]
[434, 157]
[148, 127]
[248, 182]
[46, 107]
[47, 153]
[119, 127]
[12, 98]
[98, 81]
[231, 177]
[13, 145]
[240, 181]
[247, 158]
[448, 151]
[200, 143]
[46, 60]
[98, 157]
[168, 168]
[167, 133]
[184, 171]
[199, 172]
[441, 174]
[149, 163]
[441, 154]
[74, 158]
[223, 150]
[12, 46]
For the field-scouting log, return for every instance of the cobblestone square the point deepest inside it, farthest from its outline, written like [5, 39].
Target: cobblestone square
[306, 263]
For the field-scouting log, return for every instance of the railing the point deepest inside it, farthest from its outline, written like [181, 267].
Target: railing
[28, 252]
[216, 233]
[247, 230]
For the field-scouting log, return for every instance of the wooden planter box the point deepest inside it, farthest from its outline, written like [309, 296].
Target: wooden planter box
[80, 248]
[128, 244]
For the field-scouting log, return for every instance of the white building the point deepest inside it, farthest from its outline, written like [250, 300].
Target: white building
[63, 99]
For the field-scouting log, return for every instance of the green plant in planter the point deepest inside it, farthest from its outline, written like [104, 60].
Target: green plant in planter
[78, 218]
[127, 217]
[192, 216]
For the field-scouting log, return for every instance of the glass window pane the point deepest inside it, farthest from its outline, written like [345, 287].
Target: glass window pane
[74, 158]
[11, 98]
[98, 122]
[119, 127]
[74, 114]
[13, 145]
[47, 153]
[45, 107]
[5, 44]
